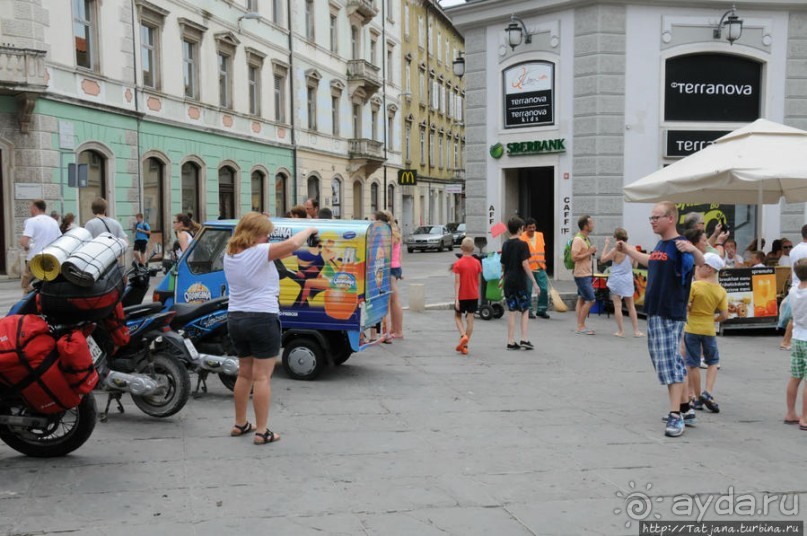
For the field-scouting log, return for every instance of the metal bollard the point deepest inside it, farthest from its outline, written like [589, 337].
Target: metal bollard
[417, 297]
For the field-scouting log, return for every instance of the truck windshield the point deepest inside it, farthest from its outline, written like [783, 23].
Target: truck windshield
[207, 254]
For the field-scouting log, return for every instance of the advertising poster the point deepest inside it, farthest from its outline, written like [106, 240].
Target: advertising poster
[751, 295]
[712, 214]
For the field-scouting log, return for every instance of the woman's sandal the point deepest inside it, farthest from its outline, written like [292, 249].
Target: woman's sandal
[241, 430]
[265, 438]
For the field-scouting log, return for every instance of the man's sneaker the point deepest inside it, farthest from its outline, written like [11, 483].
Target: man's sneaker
[513, 346]
[689, 418]
[696, 404]
[703, 364]
[464, 350]
[527, 345]
[675, 425]
[709, 401]
[532, 315]
[543, 315]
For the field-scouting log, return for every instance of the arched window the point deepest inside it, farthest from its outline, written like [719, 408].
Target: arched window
[153, 177]
[258, 191]
[374, 197]
[190, 190]
[391, 198]
[96, 182]
[226, 192]
[336, 197]
[313, 187]
[357, 201]
[280, 195]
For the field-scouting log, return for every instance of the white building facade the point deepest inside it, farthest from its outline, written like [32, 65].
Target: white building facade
[606, 93]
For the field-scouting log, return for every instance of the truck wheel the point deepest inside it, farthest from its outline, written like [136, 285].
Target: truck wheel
[498, 310]
[486, 312]
[303, 359]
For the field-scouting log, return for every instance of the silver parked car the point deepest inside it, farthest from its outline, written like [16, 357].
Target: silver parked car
[430, 237]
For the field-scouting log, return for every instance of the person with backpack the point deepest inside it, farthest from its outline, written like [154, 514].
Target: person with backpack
[582, 252]
[101, 223]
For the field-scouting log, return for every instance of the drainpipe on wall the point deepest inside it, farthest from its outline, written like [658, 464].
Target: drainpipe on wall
[384, 92]
[140, 192]
[291, 108]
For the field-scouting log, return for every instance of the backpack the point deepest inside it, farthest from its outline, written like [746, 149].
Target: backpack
[29, 365]
[567, 255]
[567, 252]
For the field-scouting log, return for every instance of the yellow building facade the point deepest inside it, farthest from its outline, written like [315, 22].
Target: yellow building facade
[432, 101]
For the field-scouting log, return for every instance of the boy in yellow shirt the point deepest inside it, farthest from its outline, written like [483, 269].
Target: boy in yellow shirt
[706, 297]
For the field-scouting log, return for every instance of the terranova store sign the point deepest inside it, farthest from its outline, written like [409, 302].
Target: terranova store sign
[529, 90]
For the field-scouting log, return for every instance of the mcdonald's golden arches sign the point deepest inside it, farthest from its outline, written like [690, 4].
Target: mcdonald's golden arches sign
[407, 177]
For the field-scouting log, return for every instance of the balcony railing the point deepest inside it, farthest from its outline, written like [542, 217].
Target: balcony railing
[365, 10]
[22, 69]
[23, 74]
[367, 149]
[365, 154]
[363, 76]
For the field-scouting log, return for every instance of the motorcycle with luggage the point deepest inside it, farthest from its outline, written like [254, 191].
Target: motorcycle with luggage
[128, 347]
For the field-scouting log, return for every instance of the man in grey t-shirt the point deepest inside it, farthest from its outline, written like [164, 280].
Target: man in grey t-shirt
[101, 223]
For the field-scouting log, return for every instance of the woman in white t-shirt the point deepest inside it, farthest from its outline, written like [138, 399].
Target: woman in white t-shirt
[253, 316]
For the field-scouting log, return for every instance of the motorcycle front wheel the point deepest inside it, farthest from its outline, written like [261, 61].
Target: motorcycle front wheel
[176, 387]
[64, 433]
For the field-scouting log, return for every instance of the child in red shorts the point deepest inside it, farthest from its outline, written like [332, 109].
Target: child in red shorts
[466, 292]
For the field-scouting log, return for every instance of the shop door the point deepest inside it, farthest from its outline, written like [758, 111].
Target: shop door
[2, 220]
[536, 199]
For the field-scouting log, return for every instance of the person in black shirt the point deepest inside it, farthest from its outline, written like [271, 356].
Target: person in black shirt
[515, 275]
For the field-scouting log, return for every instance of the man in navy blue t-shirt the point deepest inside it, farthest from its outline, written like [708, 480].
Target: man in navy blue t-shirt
[669, 276]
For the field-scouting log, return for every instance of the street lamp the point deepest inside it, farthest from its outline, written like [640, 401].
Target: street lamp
[516, 31]
[733, 25]
[459, 65]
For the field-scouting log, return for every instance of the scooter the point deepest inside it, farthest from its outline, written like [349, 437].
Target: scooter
[139, 281]
[205, 325]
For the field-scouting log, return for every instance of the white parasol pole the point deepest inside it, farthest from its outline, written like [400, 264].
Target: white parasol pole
[759, 216]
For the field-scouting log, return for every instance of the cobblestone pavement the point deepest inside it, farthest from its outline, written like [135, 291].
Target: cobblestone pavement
[413, 438]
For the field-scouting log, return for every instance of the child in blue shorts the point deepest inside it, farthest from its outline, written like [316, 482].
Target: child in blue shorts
[706, 297]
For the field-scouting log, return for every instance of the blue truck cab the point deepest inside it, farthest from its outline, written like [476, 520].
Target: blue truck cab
[330, 292]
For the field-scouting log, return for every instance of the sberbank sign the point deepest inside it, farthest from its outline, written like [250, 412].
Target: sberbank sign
[525, 148]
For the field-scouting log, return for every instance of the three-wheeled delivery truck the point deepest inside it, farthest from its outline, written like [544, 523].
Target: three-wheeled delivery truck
[331, 290]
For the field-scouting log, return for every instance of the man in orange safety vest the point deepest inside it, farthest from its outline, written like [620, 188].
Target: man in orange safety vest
[537, 260]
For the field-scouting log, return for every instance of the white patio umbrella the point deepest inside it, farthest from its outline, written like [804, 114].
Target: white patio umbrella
[757, 164]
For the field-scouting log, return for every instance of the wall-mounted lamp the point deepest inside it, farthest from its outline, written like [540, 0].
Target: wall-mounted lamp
[516, 31]
[733, 25]
[459, 65]
[248, 15]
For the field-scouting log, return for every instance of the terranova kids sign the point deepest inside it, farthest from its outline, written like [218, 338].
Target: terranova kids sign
[529, 90]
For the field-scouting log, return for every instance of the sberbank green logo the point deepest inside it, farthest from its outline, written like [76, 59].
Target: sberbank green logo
[497, 151]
